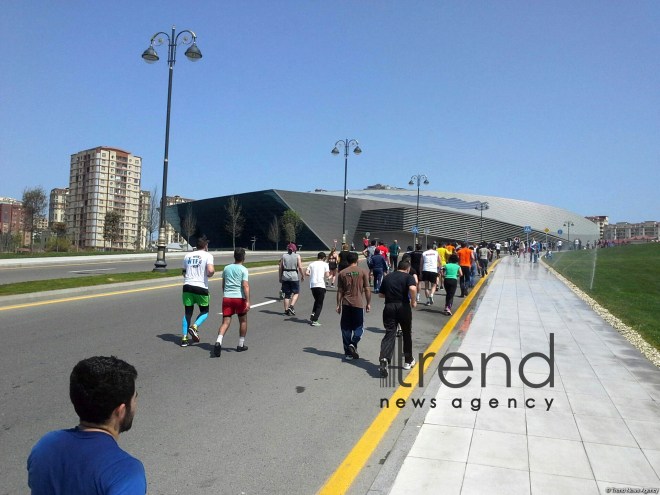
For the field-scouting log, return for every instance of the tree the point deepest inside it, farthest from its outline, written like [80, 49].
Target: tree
[235, 221]
[189, 224]
[59, 229]
[274, 232]
[35, 203]
[292, 224]
[152, 221]
[111, 226]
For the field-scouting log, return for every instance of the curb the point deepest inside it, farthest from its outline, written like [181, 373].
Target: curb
[100, 289]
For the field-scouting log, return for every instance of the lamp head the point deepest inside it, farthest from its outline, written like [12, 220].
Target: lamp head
[150, 56]
[411, 183]
[335, 151]
[357, 150]
[193, 52]
[426, 181]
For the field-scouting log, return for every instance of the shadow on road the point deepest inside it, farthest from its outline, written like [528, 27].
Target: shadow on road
[365, 364]
[176, 339]
[374, 329]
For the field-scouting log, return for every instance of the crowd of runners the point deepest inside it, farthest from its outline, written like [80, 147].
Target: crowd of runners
[396, 275]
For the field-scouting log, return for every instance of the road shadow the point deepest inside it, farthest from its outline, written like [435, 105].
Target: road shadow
[364, 364]
[176, 339]
[294, 319]
[374, 329]
[269, 312]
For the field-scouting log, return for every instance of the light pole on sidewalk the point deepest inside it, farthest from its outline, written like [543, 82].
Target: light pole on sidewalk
[569, 224]
[150, 56]
[418, 178]
[347, 144]
[481, 206]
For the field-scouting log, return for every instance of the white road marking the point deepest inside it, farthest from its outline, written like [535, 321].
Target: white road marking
[261, 304]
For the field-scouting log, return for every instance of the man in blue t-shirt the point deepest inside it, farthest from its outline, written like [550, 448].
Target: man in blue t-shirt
[236, 301]
[87, 459]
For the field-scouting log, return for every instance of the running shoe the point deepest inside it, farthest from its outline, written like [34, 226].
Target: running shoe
[193, 331]
[448, 311]
[431, 301]
[281, 295]
[185, 342]
[428, 302]
[217, 349]
[382, 369]
[287, 312]
[292, 311]
[348, 358]
[353, 351]
[407, 366]
[417, 297]
[399, 333]
[241, 348]
[316, 324]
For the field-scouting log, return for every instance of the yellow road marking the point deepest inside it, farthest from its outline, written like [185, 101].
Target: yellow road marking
[348, 470]
[105, 294]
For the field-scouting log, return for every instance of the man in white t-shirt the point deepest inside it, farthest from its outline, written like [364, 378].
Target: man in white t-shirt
[197, 268]
[498, 249]
[318, 272]
[430, 266]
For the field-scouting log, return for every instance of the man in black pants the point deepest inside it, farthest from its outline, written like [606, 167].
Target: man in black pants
[399, 290]
[318, 272]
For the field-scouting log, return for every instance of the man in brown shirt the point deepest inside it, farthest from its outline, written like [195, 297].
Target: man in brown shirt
[353, 283]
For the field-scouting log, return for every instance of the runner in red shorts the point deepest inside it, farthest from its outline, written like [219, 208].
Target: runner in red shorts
[236, 300]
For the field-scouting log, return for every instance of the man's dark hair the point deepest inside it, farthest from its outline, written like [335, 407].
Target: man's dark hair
[321, 255]
[463, 244]
[406, 256]
[100, 384]
[201, 242]
[453, 258]
[429, 246]
[373, 243]
[381, 243]
[352, 257]
[409, 248]
[239, 254]
[418, 247]
[404, 264]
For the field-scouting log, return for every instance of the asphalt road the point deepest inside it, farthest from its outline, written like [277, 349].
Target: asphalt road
[278, 418]
[58, 269]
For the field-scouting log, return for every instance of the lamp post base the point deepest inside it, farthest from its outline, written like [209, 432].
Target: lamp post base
[161, 265]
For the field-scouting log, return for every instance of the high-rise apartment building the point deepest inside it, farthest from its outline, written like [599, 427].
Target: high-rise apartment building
[602, 221]
[57, 205]
[103, 179]
[625, 230]
[12, 220]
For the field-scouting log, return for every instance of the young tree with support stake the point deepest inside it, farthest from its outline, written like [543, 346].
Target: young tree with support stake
[292, 224]
[111, 226]
[189, 224]
[235, 221]
[275, 232]
[35, 203]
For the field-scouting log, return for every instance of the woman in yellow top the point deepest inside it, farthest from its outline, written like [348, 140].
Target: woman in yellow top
[444, 256]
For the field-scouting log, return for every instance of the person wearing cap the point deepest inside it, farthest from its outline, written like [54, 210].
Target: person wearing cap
[291, 274]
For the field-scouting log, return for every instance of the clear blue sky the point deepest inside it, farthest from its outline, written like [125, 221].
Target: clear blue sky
[553, 102]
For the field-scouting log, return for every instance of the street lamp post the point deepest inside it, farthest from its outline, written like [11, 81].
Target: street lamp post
[418, 178]
[347, 144]
[150, 56]
[481, 206]
[569, 224]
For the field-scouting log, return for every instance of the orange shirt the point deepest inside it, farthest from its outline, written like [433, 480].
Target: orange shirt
[465, 257]
[450, 248]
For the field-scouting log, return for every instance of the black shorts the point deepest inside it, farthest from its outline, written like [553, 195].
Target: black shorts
[290, 287]
[430, 277]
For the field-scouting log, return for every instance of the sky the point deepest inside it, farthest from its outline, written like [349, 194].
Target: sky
[552, 102]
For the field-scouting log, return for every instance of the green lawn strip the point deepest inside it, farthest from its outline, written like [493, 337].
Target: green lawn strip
[11, 256]
[92, 280]
[626, 283]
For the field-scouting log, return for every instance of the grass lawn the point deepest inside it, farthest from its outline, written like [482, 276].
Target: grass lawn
[71, 283]
[626, 281]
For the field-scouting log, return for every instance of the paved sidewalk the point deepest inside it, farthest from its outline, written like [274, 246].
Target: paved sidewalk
[603, 427]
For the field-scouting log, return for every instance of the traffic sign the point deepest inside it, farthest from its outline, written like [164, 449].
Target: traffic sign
[427, 231]
[367, 234]
[560, 231]
[528, 229]
[415, 230]
[547, 230]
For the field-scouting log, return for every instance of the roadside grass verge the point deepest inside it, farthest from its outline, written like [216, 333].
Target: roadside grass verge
[93, 280]
[626, 281]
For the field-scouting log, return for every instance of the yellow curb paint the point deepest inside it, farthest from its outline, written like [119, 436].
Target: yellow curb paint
[343, 477]
[106, 294]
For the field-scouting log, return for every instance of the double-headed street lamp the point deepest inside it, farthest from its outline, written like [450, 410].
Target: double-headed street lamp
[569, 224]
[150, 56]
[418, 178]
[481, 206]
[347, 144]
